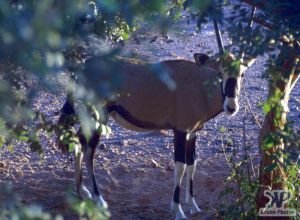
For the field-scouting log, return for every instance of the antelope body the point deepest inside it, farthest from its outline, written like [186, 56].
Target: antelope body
[144, 102]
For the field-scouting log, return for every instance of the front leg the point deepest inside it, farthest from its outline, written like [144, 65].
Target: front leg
[191, 167]
[179, 158]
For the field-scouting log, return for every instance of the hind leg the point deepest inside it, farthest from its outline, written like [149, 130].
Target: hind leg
[191, 167]
[89, 154]
[79, 185]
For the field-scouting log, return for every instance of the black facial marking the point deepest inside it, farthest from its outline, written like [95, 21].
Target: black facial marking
[179, 146]
[191, 187]
[131, 119]
[231, 110]
[176, 194]
[231, 88]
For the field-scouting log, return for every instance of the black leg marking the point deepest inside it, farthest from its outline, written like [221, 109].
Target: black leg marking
[92, 145]
[179, 146]
[89, 160]
[191, 149]
[176, 195]
[191, 187]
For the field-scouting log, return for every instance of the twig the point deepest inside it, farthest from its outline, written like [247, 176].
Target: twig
[235, 170]
[250, 108]
[238, 182]
[245, 148]
[226, 158]
[252, 166]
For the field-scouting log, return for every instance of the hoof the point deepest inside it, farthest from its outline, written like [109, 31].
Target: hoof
[101, 203]
[178, 211]
[195, 210]
[181, 218]
[84, 193]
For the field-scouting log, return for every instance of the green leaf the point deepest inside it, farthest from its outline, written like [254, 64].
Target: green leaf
[226, 191]
[267, 107]
[10, 148]
[2, 141]
[270, 140]
[222, 129]
[270, 167]
[36, 146]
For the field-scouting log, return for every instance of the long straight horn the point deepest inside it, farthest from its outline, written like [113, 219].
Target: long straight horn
[250, 23]
[218, 36]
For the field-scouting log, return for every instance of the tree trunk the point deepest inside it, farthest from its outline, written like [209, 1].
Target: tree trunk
[284, 79]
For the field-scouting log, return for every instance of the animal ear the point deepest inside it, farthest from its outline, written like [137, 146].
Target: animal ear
[201, 58]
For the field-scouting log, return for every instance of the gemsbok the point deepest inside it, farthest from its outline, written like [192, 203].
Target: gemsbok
[202, 90]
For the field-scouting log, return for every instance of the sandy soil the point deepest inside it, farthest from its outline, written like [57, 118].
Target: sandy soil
[135, 170]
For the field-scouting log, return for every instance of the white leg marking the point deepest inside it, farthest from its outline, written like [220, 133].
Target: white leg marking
[179, 172]
[189, 199]
[101, 203]
[84, 192]
[79, 185]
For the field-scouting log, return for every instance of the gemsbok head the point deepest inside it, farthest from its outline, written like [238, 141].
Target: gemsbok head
[231, 72]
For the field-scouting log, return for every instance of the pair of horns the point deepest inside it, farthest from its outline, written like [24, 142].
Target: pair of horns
[219, 37]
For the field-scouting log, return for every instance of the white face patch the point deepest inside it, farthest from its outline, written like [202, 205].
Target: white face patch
[231, 105]
[232, 80]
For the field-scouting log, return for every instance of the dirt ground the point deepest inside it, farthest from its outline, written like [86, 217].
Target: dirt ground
[135, 170]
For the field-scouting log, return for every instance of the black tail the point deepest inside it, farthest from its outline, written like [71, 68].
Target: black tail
[67, 110]
[65, 123]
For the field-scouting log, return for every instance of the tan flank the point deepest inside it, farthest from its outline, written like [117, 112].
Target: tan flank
[195, 98]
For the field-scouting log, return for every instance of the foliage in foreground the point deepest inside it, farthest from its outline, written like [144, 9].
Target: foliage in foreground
[37, 36]
[14, 209]
[238, 200]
